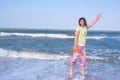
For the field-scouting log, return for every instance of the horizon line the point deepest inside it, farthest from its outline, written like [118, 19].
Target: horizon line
[54, 29]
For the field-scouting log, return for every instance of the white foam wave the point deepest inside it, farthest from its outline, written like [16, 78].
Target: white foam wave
[14, 54]
[36, 35]
[103, 37]
[55, 35]
[44, 56]
[96, 37]
[95, 58]
[47, 35]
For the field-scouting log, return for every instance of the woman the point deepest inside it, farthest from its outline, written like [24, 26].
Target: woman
[79, 43]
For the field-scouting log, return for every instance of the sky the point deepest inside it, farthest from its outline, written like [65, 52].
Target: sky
[59, 14]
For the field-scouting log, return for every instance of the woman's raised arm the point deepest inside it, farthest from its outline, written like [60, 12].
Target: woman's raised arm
[94, 21]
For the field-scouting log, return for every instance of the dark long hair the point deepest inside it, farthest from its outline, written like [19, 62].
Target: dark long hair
[82, 18]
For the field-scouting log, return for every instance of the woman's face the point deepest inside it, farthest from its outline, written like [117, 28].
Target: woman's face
[82, 22]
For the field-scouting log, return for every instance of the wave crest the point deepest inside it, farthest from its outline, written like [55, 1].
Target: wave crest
[96, 37]
[47, 35]
[36, 35]
[53, 35]
[46, 56]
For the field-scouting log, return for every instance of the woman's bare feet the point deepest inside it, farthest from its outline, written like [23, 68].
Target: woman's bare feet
[71, 70]
[83, 71]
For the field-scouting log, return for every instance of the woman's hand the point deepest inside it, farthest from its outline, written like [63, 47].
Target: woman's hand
[75, 46]
[98, 16]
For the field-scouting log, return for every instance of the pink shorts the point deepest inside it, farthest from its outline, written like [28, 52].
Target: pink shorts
[81, 55]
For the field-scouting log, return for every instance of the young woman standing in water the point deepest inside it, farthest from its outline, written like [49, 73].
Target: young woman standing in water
[79, 43]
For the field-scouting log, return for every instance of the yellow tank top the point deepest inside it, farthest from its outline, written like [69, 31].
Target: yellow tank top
[82, 34]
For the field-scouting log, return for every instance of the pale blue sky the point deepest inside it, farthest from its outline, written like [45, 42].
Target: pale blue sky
[58, 14]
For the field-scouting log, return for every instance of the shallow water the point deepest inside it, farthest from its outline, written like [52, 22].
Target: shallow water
[45, 54]
[38, 69]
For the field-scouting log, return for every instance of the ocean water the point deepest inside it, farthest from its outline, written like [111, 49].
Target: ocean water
[37, 54]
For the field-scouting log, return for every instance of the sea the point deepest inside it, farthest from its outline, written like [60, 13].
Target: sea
[45, 54]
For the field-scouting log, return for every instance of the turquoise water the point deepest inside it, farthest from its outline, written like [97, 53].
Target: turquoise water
[33, 50]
